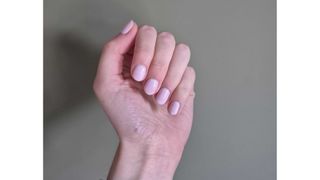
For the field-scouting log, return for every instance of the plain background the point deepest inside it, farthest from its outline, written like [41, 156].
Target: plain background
[233, 52]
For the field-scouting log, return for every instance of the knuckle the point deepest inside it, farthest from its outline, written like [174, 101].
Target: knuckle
[148, 29]
[166, 37]
[184, 88]
[190, 70]
[193, 94]
[183, 48]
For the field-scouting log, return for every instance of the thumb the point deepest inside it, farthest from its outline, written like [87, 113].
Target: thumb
[110, 65]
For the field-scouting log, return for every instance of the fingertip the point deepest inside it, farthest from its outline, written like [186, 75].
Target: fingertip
[174, 108]
[162, 96]
[127, 27]
[151, 86]
[131, 25]
[139, 73]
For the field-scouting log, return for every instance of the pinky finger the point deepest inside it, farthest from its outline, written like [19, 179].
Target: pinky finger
[182, 91]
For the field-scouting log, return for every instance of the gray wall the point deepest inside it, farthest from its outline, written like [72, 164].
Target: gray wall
[233, 52]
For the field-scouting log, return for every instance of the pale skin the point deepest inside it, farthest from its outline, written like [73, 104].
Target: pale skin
[146, 88]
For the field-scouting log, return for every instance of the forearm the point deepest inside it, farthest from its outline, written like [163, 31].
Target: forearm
[140, 162]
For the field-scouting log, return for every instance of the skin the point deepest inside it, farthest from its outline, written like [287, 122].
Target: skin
[151, 139]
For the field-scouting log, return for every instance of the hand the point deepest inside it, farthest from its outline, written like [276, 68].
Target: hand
[146, 88]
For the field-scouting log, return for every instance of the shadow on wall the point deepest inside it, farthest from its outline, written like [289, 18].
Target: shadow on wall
[69, 77]
[75, 31]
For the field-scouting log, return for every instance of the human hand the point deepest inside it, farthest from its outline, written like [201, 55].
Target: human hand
[146, 88]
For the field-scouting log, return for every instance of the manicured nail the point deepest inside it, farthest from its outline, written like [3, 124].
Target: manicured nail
[139, 72]
[151, 86]
[127, 28]
[174, 108]
[163, 96]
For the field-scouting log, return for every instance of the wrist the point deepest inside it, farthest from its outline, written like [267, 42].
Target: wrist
[145, 161]
[155, 145]
[152, 161]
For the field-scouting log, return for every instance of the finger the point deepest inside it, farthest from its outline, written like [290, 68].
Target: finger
[178, 64]
[158, 69]
[112, 55]
[182, 91]
[143, 52]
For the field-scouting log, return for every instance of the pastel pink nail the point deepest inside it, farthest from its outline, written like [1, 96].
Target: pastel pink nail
[151, 86]
[139, 72]
[162, 96]
[174, 108]
[127, 28]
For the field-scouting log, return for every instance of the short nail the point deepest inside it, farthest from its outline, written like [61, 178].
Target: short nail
[151, 86]
[163, 96]
[139, 73]
[174, 108]
[127, 27]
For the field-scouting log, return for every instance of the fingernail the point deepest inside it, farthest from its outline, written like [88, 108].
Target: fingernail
[174, 108]
[163, 96]
[151, 86]
[127, 28]
[139, 72]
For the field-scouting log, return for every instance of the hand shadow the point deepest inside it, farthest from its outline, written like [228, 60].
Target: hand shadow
[68, 73]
